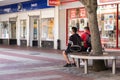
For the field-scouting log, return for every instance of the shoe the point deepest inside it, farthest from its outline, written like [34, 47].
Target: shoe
[67, 65]
[73, 65]
[82, 63]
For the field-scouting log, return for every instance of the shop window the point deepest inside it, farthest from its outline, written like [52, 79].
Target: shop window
[106, 15]
[107, 25]
[4, 29]
[35, 26]
[77, 18]
[47, 28]
[23, 31]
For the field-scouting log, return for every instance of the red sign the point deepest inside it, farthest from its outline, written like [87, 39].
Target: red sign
[82, 13]
[53, 2]
[73, 13]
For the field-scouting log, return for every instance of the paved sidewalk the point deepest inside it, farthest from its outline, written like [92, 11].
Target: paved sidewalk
[26, 63]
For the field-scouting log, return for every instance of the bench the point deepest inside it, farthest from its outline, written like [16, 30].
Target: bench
[86, 57]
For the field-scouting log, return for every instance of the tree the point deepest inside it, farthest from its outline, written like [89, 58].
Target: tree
[91, 8]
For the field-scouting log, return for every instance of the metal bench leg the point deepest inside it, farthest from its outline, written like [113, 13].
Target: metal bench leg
[86, 66]
[114, 66]
[78, 63]
[106, 63]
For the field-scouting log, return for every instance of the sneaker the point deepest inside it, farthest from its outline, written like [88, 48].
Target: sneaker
[73, 65]
[67, 65]
[82, 63]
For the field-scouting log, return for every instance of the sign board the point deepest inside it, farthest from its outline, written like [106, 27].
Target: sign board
[108, 1]
[53, 2]
[24, 6]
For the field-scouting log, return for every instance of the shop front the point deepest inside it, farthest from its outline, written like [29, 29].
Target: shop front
[108, 22]
[32, 25]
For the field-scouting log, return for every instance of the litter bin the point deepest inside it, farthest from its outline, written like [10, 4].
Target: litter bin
[58, 44]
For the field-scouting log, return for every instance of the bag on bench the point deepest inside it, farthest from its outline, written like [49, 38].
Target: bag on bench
[75, 48]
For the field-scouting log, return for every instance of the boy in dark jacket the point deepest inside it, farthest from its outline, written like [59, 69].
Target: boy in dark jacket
[74, 39]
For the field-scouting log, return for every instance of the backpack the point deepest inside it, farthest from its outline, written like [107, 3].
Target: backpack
[88, 40]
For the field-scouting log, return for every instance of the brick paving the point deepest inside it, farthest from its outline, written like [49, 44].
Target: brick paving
[26, 63]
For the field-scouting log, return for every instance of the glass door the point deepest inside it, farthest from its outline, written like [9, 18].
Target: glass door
[12, 24]
[34, 25]
[12, 31]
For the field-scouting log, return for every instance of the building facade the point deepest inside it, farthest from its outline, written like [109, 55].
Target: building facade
[108, 21]
[31, 23]
[34, 23]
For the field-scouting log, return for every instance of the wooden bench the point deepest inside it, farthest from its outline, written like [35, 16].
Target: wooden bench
[86, 57]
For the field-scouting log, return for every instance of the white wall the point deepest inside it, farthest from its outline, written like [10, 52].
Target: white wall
[5, 17]
[56, 26]
[47, 13]
[71, 5]
[62, 28]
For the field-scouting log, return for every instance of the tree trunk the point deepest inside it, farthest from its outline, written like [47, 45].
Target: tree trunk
[91, 8]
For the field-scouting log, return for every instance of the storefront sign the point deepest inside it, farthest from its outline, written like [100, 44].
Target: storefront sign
[24, 6]
[109, 22]
[73, 13]
[53, 2]
[82, 13]
[108, 1]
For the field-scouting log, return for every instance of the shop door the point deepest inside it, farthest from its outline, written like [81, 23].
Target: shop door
[34, 23]
[12, 39]
[23, 32]
[13, 29]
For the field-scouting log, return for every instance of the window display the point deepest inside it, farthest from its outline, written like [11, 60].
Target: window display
[47, 28]
[77, 17]
[23, 29]
[35, 26]
[107, 25]
[4, 29]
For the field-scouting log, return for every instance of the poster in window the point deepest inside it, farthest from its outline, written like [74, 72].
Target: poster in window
[83, 23]
[73, 13]
[82, 13]
[109, 22]
[48, 28]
